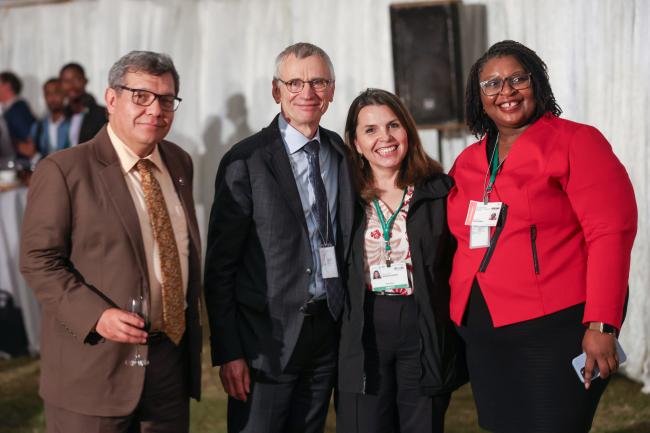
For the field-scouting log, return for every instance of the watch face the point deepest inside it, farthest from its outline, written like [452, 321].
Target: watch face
[607, 329]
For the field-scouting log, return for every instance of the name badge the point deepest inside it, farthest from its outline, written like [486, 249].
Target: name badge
[384, 277]
[328, 266]
[482, 214]
[479, 237]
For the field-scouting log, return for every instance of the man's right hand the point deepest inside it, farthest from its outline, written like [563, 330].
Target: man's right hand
[121, 326]
[236, 379]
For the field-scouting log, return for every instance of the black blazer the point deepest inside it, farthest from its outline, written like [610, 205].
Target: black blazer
[432, 250]
[258, 259]
[19, 119]
[92, 122]
[94, 119]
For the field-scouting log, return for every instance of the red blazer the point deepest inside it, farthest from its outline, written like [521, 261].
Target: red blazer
[567, 234]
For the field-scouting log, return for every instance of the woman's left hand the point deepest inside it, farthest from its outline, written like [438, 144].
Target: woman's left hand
[601, 350]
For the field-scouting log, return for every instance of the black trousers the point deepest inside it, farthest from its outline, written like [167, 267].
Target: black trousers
[521, 374]
[298, 400]
[164, 406]
[393, 402]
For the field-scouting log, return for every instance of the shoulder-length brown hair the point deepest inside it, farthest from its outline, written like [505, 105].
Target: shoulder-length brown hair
[416, 167]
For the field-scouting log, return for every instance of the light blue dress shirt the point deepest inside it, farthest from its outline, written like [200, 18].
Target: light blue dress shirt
[294, 142]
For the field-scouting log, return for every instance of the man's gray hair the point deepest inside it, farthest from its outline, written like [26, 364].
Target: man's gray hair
[142, 61]
[303, 50]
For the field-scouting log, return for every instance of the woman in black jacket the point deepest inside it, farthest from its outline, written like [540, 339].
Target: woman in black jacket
[399, 355]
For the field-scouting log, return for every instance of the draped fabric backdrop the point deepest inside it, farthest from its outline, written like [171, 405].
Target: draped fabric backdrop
[596, 52]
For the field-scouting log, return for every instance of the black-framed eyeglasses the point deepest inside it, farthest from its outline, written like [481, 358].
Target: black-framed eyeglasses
[296, 85]
[145, 98]
[494, 86]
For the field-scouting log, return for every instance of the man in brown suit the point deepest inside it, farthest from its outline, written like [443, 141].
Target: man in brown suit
[108, 220]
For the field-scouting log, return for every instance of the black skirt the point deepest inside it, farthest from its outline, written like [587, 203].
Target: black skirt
[521, 374]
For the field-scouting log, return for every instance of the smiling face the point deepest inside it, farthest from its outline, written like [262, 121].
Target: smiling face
[140, 128]
[73, 83]
[303, 110]
[510, 109]
[381, 138]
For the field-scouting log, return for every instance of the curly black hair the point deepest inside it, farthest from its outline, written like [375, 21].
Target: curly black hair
[477, 120]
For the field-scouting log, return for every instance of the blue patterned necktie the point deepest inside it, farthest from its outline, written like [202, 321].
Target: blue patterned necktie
[320, 209]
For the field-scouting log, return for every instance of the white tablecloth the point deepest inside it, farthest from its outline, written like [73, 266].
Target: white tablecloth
[12, 207]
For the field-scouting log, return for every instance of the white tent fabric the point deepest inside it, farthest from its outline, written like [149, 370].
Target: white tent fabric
[596, 51]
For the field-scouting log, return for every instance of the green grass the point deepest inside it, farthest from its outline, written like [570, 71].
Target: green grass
[623, 409]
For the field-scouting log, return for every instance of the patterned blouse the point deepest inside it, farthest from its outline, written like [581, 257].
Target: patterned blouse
[375, 248]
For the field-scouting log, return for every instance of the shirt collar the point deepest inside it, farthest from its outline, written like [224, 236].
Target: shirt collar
[293, 139]
[128, 158]
[55, 122]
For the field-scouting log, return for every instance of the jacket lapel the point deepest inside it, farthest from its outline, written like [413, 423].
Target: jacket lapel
[115, 187]
[281, 170]
[435, 188]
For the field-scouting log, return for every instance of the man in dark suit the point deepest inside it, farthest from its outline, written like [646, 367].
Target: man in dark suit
[122, 226]
[279, 225]
[85, 115]
[17, 115]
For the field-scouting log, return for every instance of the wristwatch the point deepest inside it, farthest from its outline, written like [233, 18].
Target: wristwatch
[603, 328]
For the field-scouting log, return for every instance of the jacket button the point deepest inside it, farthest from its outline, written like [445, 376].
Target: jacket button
[308, 270]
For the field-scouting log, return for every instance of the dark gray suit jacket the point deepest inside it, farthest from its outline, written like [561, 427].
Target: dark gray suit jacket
[258, 259]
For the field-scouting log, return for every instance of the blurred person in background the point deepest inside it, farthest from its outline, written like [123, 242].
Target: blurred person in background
[17, 115]
[51, 133]
[85, 115]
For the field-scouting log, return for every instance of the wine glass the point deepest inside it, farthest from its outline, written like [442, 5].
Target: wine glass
[139, 305]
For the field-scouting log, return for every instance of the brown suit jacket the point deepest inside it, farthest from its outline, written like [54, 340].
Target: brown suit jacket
[82, 252]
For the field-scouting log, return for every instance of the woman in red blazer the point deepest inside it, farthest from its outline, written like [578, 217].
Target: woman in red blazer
[545, 217]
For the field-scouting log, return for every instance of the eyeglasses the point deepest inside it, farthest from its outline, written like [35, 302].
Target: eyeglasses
[145, 98]
[495, 85]
[296, 85]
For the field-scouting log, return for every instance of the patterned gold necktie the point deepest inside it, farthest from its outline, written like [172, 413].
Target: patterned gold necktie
[172, 283]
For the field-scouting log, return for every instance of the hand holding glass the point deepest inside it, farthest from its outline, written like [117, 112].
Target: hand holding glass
[138, 305]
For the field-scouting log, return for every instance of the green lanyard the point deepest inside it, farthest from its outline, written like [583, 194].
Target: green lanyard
[494, 169]
[387, 226]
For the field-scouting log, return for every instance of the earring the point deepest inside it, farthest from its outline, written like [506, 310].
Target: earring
[362, 162]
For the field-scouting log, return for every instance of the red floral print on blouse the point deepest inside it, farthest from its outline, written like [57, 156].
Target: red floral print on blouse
[375, 249]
